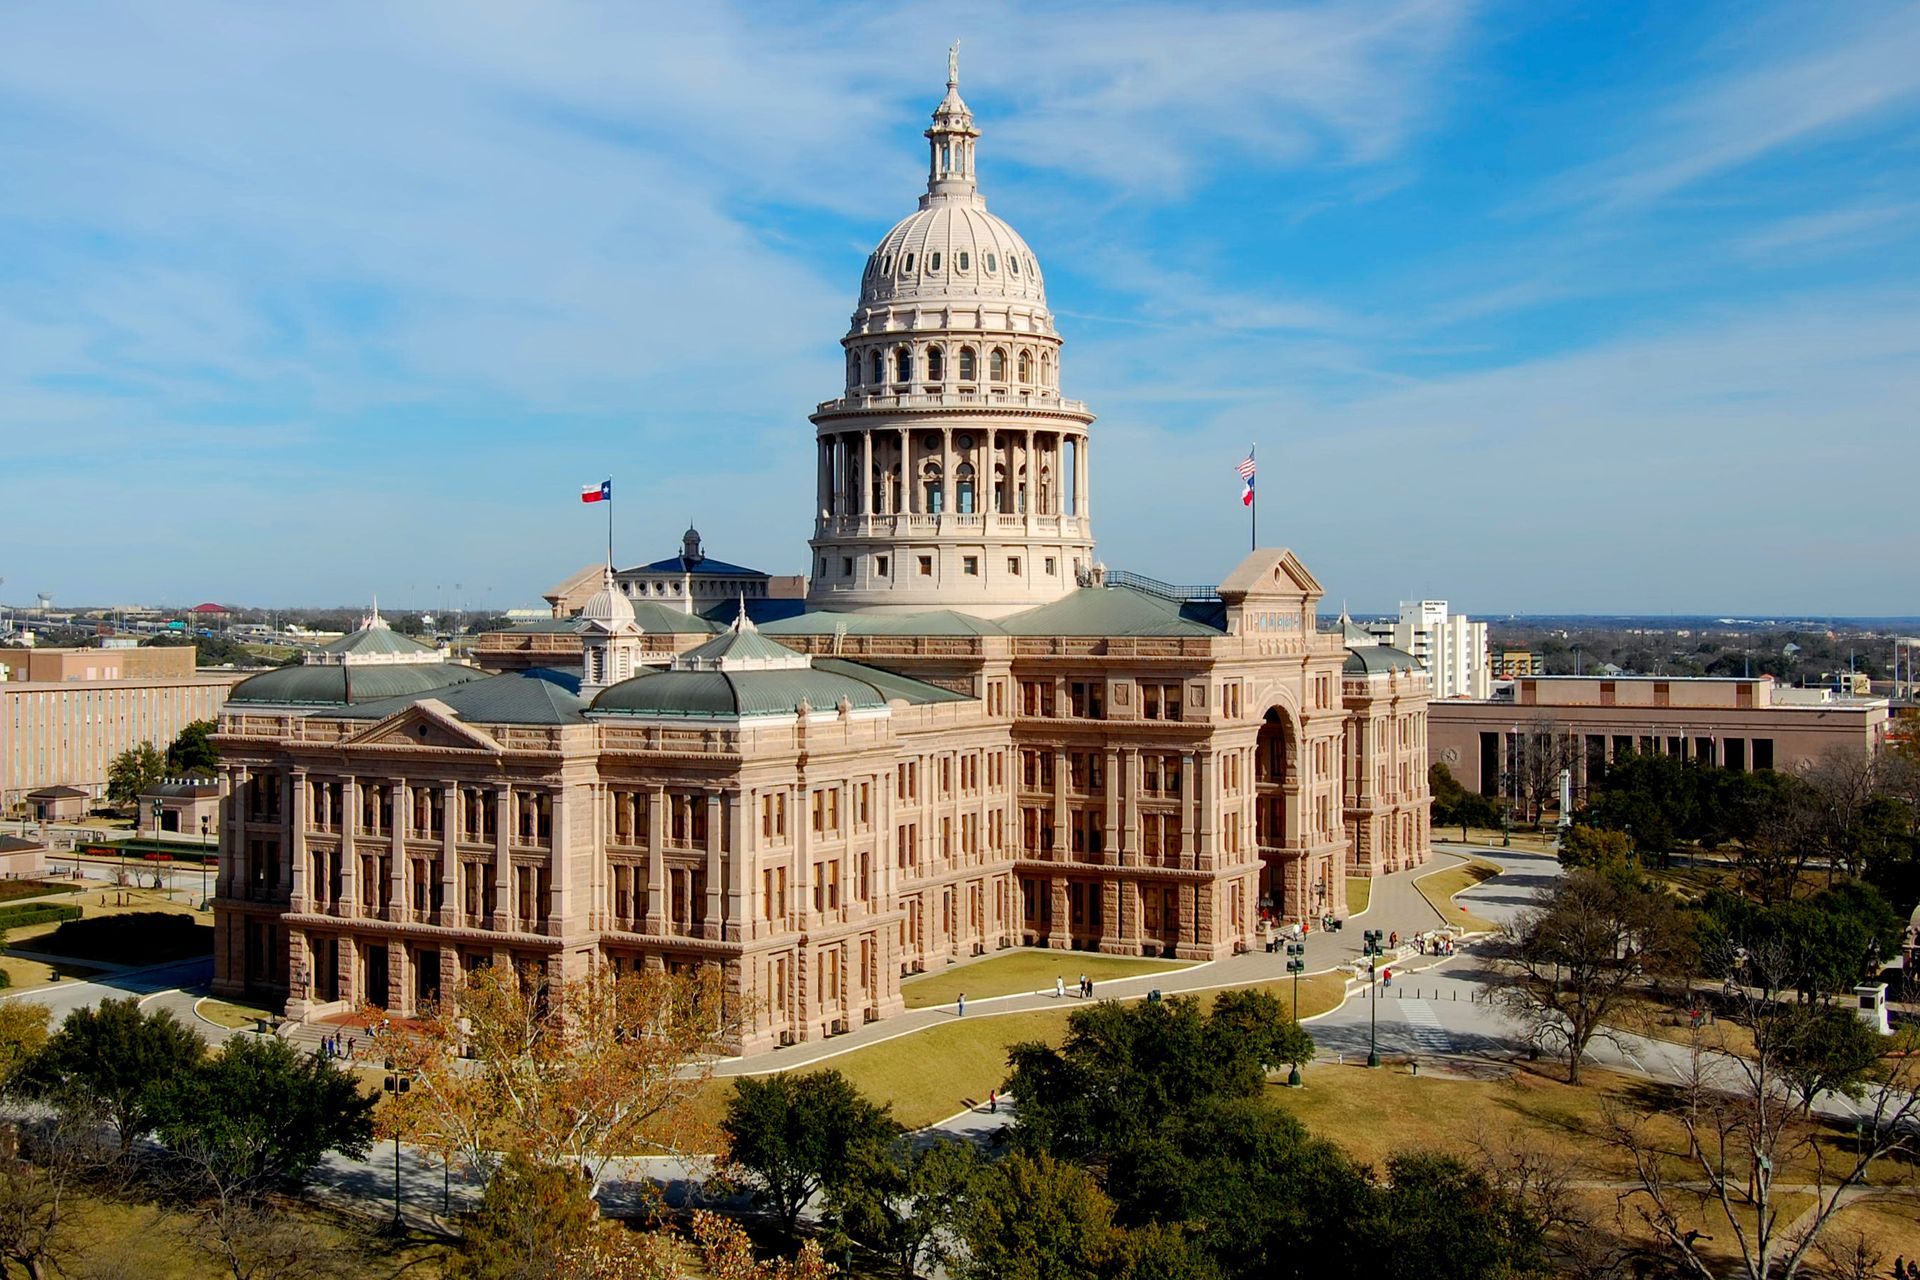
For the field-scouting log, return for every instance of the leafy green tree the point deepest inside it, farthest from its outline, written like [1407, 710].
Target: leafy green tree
[23, 1034]
[798, 1135]
[192, 751]
[1818, 946]
[116, 1058]
[258, 1115]
[1160, 1252]
[133, 771]
[1447, 794]
[1440, 1219]
[1824, 1049]
[1584, 846]
[902, 1202]
[1124, 1069]
[1035, 1218]
[1258, 1021]
[531, 1218]
[1260, 1195]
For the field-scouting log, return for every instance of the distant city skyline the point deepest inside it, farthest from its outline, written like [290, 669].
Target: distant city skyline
[1539, 309]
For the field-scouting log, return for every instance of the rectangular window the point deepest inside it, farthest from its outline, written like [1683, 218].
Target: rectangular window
[846, 566]
[1013, 566]
[926, 566]
[970, 565]
[1050, 567]
[882, 566]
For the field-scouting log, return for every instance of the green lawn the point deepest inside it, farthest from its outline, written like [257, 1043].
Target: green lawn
[1018, 972]
[1359, 894]
[1439, 888]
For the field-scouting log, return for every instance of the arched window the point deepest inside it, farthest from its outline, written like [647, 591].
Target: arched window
[1013, 263]
[853, 369]
[1026, 367]
[903, 365]
[967, 370]
[907, 266]
[879, 369]
[933, 260]
[997, 365]
[1046, 368]
[961, 260]
[993, 262]
[886, 265]
[936, 364]
[936, 498]
[963, 489]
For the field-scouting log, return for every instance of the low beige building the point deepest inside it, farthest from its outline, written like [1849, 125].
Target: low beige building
[184, 806]
[147, 662]
[1733, 722]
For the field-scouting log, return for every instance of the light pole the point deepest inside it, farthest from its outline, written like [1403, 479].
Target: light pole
[396, 1086]
[1296, 965]
[1373, 1017]
[206, 821]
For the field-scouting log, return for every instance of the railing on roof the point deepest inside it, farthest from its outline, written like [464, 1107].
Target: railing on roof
[1165, 590]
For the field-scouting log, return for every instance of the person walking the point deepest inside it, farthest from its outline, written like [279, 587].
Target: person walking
[1088, 993]
[960, 1006]
[1059, 987]
[1386, 977]
[1083, 986]
[993, 1101]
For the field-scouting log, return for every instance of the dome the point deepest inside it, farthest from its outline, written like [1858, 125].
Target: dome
[312, 684]
[950, 249]
[608, 608]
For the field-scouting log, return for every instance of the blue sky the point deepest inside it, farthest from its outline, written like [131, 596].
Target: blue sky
[1538, 306]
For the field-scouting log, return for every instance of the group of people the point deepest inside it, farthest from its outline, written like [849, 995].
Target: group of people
[336, 1046]
[1085, 992]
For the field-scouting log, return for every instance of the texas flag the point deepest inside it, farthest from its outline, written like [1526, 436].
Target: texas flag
[1246, 474]
[602, 492]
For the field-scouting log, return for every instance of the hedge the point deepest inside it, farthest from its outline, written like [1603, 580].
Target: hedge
[136, 938]
[26, 913]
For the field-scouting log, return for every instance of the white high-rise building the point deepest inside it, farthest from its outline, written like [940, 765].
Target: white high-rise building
[1451, 646]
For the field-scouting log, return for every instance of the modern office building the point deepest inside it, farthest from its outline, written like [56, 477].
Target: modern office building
[1451, 646]
[976, 737]
[1735, 723]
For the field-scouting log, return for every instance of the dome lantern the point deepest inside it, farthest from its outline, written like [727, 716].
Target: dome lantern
[951, 140]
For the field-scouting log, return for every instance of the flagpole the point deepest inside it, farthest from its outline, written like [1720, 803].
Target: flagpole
[609, 529]
[1253, 508]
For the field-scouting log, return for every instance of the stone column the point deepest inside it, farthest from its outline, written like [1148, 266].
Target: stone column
[710, 927]
[234, 851]
[560, 863]
[904, 500]
[1082, 500]
[450, 905]
[1027, 452]
[294, 862]
[866, 473]
[946, 472]
[1207, 804]
[1062, 830]
[502, 859]
[738, 866]
[401, 907]
[992, 506]
[1188, 806]
[656, 862]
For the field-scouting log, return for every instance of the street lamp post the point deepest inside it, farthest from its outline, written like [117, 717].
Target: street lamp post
[206, 821]
[1373, 1018]
[396, 1086]
[1296, 965]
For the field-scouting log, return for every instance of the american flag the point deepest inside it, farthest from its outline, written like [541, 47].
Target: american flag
[1246, 468]
[1246, 475]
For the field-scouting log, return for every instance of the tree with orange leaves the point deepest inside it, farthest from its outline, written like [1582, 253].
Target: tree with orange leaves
[571, 1074]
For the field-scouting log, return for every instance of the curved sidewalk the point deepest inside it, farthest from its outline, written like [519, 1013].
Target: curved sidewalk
[1395, 905]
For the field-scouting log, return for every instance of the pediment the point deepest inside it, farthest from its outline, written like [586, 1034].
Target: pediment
[427, 723]
[1271, 574]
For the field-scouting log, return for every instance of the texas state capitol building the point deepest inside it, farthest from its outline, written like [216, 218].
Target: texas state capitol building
[973, 738]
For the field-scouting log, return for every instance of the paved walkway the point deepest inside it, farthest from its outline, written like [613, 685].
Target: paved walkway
[1396, 905]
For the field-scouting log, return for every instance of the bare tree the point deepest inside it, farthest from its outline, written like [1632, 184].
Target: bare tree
[44, 1166]
[1746, 1146]
[1838, 788]
[1564, 967]
[1535, 761]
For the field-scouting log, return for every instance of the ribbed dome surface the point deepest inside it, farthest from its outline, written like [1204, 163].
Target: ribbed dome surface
[952, 249]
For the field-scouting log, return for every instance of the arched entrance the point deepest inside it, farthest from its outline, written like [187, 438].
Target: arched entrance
[1276, 795]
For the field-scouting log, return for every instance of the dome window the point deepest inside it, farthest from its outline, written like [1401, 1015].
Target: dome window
[1026, 367]
[993, 263]
[933, 260]
[960, 260]
[968, 372]
[1013, 263]
[886, 265]
[997, 363]
[879, 367]
[907, 265]
[964, 444]
[1030, 270]
[936, 364]
[903, 365]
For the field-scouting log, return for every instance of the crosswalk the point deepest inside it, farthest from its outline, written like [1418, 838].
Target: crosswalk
[1424, 1026]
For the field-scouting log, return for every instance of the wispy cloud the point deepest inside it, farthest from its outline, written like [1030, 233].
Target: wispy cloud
[1830, 230]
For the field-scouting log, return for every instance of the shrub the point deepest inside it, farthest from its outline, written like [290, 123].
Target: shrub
[26, 913]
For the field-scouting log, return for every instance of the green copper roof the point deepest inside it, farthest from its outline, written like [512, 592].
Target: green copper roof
[739, 646]
[539, 695]
[377, 640]
[1372, 659]
[741, 694]
[932, 622]
[654, 618]
[1118, 611]
[335, 685]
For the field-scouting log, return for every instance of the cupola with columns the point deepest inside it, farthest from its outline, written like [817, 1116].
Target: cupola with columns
[952, 473]
[610, 638]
